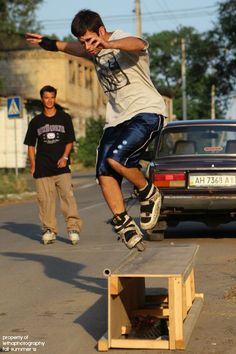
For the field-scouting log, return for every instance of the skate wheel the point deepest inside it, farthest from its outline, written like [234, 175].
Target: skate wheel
[75, 242]
[48, 242]
[140, 246]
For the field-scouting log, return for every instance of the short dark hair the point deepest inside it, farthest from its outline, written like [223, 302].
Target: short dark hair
[47, 88]
[86, 20]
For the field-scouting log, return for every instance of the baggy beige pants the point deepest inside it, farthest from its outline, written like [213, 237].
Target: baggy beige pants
[47, 189]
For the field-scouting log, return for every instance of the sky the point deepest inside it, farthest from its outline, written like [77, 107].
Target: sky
[157, 15]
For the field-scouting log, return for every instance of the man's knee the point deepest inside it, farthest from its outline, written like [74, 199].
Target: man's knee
[104, 180]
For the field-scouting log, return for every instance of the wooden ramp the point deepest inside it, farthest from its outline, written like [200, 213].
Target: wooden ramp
[162, 318]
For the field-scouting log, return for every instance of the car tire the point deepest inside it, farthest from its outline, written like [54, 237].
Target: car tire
[157, 233]
[153, 235]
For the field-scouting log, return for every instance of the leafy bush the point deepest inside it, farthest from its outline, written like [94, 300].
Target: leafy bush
[87, 145]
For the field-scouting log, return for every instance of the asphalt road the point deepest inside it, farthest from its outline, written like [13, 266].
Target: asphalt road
[55, 296]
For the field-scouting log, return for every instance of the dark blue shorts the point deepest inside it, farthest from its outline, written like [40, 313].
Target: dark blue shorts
[126, 142]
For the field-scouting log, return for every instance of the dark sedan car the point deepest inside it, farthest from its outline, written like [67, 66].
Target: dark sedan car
[194, 166]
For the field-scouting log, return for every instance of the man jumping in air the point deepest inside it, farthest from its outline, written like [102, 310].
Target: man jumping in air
[135, 114]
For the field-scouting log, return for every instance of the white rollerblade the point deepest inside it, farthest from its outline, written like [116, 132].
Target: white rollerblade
[128, 231]
[73, 237]
[48, 237]
[150, 206]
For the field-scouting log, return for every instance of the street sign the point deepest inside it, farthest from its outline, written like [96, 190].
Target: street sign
[14, 107]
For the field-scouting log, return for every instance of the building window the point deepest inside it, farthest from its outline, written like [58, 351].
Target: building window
[88, 77]
[80, 75]
[71, 72]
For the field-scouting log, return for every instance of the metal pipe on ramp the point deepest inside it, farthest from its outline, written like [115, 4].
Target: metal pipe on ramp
[128, 258]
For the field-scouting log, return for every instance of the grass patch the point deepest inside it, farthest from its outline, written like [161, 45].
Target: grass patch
[10, 183]
[24, 182]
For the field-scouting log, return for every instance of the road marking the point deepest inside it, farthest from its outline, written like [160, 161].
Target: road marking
[88, 185]
[92, 206]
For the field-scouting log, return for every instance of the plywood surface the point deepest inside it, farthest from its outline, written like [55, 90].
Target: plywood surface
[163, 261]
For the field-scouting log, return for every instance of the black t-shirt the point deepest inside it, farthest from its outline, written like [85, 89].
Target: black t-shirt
[50, 134]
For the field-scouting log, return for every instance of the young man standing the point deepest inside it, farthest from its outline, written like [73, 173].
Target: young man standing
[135, 114]
[53, 133]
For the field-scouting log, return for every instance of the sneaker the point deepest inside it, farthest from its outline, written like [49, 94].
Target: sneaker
[127, 230]
[73, 237]
[48, 237]
[150, 206]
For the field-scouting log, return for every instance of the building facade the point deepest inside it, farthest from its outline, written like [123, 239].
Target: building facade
[25, 72]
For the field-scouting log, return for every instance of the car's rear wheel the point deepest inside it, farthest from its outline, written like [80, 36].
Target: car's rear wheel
[157, 233]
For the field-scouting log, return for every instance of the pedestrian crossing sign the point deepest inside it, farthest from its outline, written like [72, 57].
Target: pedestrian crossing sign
[14, 107]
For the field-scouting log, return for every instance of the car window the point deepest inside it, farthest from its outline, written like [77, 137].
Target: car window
[197, 140]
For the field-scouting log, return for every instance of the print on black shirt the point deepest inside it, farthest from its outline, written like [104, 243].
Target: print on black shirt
[51, 133]
[50, 136]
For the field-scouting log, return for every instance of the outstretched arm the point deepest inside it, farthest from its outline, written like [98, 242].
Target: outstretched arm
[94, 42]
[127, 44]
[73, 48]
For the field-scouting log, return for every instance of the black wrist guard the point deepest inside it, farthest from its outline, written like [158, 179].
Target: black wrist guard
[49, 44]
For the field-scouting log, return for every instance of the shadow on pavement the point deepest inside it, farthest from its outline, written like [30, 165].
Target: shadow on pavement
[32, 231]
[199, 230]
[93, 320]
[62, 270]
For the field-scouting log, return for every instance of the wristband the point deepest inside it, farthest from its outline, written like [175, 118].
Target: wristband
[66, 157]
[49, 44]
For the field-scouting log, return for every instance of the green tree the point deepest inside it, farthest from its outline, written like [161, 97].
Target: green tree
[16, 18]
[224, 35]
[87, 145]
[165, 53]
[70, 38]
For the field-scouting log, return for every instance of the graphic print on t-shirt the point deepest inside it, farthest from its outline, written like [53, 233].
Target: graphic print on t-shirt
[50, 133]
[110, 74]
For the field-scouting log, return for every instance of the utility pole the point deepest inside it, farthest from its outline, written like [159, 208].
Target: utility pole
[183, 77]
[138, 18]
[213, 96]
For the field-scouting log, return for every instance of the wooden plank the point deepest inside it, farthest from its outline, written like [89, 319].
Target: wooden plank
[191, 320]
[184, 301]
[115, 286]
[151, 312]
[140, 343]
[175, 310]
[192, 282]
[190, 294]
[121, 306]
[126, 329]
[103, 343]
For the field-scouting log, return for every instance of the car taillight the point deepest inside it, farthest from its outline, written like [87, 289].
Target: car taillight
[165, 180]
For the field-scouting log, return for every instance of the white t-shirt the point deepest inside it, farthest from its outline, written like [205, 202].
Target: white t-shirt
[125, 78]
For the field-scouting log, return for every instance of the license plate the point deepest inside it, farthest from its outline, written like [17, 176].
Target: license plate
[212, 180]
